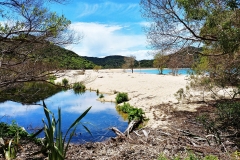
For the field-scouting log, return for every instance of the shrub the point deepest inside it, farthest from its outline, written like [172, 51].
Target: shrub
[79, 87]
[52, 78]
[126, 107]
[136, 114]
[227, 117]
[96, 68]
[133, 113]
[229, 114]
[121, 97]
[65, 82]
[10, 136]
[101, 96]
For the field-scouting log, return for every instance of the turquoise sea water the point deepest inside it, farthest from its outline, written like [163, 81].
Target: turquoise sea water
[181, 71]
[99, 119]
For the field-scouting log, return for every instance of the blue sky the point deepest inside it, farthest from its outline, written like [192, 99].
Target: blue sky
[109, 27]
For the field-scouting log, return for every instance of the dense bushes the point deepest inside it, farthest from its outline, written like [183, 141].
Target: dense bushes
[227, 118]
[10, 136]
[229, 114]
[121, 97]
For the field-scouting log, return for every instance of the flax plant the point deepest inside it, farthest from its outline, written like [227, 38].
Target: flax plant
[55, 143]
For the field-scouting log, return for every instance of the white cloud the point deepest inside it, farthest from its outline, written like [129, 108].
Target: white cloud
[106, 8]
[103, 40]
[13, 109]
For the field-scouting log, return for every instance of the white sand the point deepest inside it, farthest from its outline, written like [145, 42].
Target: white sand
[144, 90]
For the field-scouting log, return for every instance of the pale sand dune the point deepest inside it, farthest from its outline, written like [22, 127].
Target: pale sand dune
[144, 90]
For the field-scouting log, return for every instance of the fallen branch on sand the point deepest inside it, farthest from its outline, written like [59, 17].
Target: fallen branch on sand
[126, 133]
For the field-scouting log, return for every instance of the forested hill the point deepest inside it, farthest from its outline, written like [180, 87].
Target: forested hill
[65, 58]
[184, 58]
[116, 61]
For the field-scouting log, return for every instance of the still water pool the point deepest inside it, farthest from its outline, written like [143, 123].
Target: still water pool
[101, 116]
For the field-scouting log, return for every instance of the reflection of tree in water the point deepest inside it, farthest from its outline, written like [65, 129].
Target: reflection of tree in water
[29, 92]
[122, 114]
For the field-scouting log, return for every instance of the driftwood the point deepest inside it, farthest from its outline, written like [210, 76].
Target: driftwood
[126, 133]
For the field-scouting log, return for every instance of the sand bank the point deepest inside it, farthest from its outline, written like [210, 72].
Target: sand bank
[144, 90]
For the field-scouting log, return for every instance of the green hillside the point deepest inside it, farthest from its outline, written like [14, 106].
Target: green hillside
[65, 59]
[108, 62]
[146, 63]
[117, 61]
[184, 58]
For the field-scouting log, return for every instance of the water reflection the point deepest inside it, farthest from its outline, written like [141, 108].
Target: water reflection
[98, 120]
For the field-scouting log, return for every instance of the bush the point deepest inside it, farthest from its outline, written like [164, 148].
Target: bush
[121, 97]
[65, 82]
[10, 135]
[97, 68]
[79, 88]
[227, 117]
[133, 113]
[52, 78]
[229, 114]
[101, 96]
[126, 107]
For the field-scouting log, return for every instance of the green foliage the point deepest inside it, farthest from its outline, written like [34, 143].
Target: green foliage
[10, 136]
[160, 61]
[9, 148]
[133, 113]
[65, 59]
[97, 68]
[136, 114]
[108, 62]
[11, 130]
[79, 87]
[52, 78]
[101, 96]
[126, 107]
[146, 63]
[214, 25]
[65, 82]
[229, 114]
[97, 92]
[56, 144]
[227, 117]
[121, 97]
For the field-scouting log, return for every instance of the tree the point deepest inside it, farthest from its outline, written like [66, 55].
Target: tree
[27, 28]
[129, 62]
[160, 61]
[213, 25]
[97, 68]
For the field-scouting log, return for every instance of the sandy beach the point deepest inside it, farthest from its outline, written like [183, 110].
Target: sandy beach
[144, 90]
